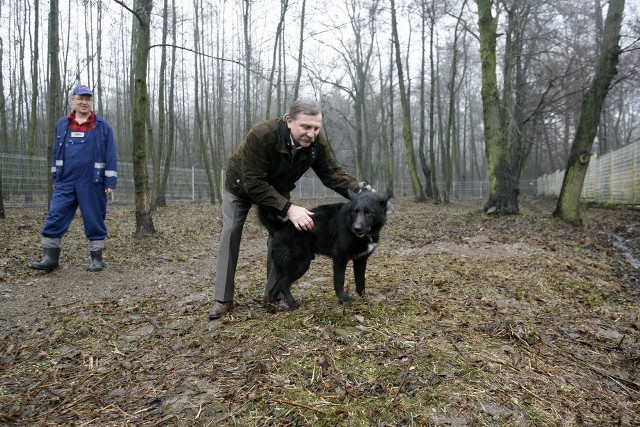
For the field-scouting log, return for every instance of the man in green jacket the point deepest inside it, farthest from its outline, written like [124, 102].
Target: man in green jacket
[263, 171]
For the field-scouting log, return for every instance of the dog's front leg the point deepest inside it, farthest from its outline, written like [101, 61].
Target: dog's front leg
[339, 269]
[359, 268]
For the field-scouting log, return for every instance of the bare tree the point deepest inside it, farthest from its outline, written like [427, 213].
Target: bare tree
[33, 109]
[142, 15]
[98, 37]
[406, 113]
[433, 176]
[503, 197]
[284, 4]
[157, 157]
[2, 214]
[198, 95]
[354, 77]
[296, 85]
[568, 205]
[162, 193]
[54, 86]
[246, 13]
[385, 108]
[220, 108]
[448, 160]
[4, 130]
[425, 12]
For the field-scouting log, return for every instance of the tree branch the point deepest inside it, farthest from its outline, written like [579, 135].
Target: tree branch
[130, 10]
[198, 53]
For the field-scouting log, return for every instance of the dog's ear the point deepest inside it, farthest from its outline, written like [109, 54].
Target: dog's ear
[386, 204]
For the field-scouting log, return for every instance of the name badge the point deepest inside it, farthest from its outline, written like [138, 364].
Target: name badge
[77, 134]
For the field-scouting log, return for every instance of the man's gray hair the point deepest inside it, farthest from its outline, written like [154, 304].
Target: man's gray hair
[304, 106]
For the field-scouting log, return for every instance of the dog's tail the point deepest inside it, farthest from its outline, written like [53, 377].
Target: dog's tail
[270, 220]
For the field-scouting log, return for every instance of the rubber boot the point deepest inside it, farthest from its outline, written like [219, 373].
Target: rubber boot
[49, 260]
[96, 263]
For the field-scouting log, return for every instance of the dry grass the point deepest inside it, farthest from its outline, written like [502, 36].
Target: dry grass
[468, 320]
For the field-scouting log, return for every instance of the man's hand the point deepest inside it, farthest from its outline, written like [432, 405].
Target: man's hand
[108, 191]
[365, 186]
[300, 217]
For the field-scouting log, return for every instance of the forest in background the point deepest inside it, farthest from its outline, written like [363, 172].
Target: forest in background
[400, 81]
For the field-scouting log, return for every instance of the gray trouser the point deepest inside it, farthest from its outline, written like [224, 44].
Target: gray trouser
[234, 215]
[56, 242]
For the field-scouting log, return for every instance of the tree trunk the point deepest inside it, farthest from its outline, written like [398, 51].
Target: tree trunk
[162, 193]
[432, 109]
[157, 158]
[219, 117]
[99, 90]
[284, 4]
[2, 214]
[503, 197]
[4, 133]
[448, 159]
[4, 125]
[389, 164]
[296, 86]
[33, 112]
[384, 120]
[406, 113]
[144, 219]
[426, 169]
[246, 12]
[54, 104]
[568, 205]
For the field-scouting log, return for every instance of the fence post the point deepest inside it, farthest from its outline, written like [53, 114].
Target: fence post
[193, 183]
[634, 173]
[611, 177]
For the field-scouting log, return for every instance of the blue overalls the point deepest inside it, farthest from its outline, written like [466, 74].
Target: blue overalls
[76, 187]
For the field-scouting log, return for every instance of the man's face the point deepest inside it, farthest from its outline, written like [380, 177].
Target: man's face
[305, 128]
[83, 104]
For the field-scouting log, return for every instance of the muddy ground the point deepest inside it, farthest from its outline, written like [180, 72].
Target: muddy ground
[468, 320]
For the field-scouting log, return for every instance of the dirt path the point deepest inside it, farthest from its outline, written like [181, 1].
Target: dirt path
[468, 320]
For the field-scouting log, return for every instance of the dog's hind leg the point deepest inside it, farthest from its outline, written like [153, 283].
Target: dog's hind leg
[271, 303]
[339, 269]
[294, 274]
[359, 268]
[288, 297]
[281, 288]
[272, 291]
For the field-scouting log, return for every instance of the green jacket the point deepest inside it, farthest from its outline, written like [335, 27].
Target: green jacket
[261, 170]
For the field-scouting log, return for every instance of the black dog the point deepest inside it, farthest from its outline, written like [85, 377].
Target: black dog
[342, 231]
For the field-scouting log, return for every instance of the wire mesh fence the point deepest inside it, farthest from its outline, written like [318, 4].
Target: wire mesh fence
[25, 183]
[613, 178]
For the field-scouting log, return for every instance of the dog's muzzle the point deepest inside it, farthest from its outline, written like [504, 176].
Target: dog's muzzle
[359, 233]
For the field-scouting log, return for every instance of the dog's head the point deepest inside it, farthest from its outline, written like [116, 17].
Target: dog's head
[368, 212]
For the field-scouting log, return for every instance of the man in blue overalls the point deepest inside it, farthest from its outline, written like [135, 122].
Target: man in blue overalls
[83, 173]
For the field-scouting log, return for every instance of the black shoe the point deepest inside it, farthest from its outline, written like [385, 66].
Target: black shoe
[96, 263]
[49, 261]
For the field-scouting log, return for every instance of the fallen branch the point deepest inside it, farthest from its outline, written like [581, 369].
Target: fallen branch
[300, 405]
